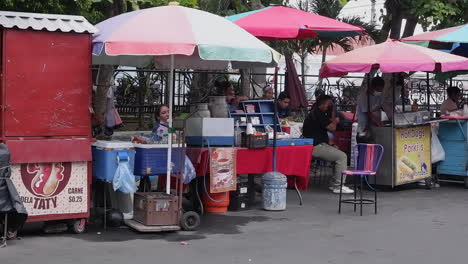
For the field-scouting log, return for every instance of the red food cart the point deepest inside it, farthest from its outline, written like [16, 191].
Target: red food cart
[45, 93]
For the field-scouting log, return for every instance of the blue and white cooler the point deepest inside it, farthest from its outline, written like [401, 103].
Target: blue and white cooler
[106, 158]
[108, 154]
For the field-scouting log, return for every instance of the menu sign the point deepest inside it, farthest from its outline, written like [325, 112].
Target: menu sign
[413, 153]
[52, 188]
[223, 176]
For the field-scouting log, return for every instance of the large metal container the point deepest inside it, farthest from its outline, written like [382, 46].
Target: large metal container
[154, 208]
[218, 106]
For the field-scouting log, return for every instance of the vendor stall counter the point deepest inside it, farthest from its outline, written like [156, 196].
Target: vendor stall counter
[407, 145]
[453, 136]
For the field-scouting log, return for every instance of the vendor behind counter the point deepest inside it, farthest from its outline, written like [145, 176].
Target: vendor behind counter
[370, 104]
[451, 104]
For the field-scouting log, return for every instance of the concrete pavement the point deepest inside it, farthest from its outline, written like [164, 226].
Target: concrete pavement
[414, 225]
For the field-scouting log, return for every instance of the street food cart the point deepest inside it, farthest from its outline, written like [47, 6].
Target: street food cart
[45, 93]
[407, 140]
[407, 144]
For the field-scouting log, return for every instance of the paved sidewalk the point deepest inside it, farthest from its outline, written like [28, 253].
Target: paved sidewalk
[413, 226]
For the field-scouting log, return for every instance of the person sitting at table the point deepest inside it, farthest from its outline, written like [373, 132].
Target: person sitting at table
[317, 125]
[231, 99]
[451, 104]
[268, 93]
[284, 112]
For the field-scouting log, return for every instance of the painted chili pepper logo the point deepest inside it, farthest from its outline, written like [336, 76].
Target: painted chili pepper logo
[46, 179]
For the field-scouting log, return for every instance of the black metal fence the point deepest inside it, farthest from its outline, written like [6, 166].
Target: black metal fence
[138, 92]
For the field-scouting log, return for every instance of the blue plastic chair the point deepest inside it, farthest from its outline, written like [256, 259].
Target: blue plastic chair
[367, 163]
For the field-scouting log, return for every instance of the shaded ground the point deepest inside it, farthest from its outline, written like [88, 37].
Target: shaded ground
[413, 226]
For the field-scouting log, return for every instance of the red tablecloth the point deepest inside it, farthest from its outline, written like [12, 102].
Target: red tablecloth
[291, 161]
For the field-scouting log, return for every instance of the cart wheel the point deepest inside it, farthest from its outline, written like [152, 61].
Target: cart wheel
[190, 221]
[466, 182]
[78, 226]
[428, 183]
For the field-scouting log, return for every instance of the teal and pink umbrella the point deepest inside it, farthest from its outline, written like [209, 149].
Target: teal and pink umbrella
[455, 37]
[457, 34]
[283, 23]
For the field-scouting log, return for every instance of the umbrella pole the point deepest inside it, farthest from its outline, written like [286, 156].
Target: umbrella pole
[169, 140]
[428, 93]
[275, 119]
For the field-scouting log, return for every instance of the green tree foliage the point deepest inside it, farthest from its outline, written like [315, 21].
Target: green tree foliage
[439, 13]
[88, 8]
[431, 14]
[94, 10]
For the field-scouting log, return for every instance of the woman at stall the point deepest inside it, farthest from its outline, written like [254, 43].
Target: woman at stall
[451, 104]
[161, 126]
[268, 93]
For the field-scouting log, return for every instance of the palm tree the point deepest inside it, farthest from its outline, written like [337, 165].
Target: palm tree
[328, 8]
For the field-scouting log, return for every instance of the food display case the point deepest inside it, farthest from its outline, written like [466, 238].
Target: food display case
[407, 149]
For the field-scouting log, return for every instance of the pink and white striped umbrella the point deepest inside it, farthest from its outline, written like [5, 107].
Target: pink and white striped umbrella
[393, 56]
[196, 38]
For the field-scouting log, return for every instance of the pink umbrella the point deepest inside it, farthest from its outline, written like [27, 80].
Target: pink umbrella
[393, 56]
[282, 23]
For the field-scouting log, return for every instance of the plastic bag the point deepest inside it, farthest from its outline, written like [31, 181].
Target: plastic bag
[124, 180]
[189, 171]
[437, 151]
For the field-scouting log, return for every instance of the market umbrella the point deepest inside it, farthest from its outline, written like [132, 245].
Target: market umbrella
[455, 37]
[390, 57]
[457, 34]
[283, 23]
[294, 86]
[177, 37]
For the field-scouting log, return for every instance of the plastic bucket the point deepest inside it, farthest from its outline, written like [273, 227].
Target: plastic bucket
[214, 202]
[274, 191]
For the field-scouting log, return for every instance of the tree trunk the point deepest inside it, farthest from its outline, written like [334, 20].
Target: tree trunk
[106, 71]
[397, 19]
[199, 87]
[119, 7]
[410, 27]
[303, 65]
[104, 81]
[141, 92]
[324, 57]
[256, 4]
[245, 83]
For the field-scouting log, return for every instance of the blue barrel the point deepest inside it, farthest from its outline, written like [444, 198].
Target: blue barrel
[274, 191]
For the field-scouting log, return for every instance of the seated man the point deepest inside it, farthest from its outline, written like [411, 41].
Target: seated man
[231, 99]
[317, 125]
[283, 106]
